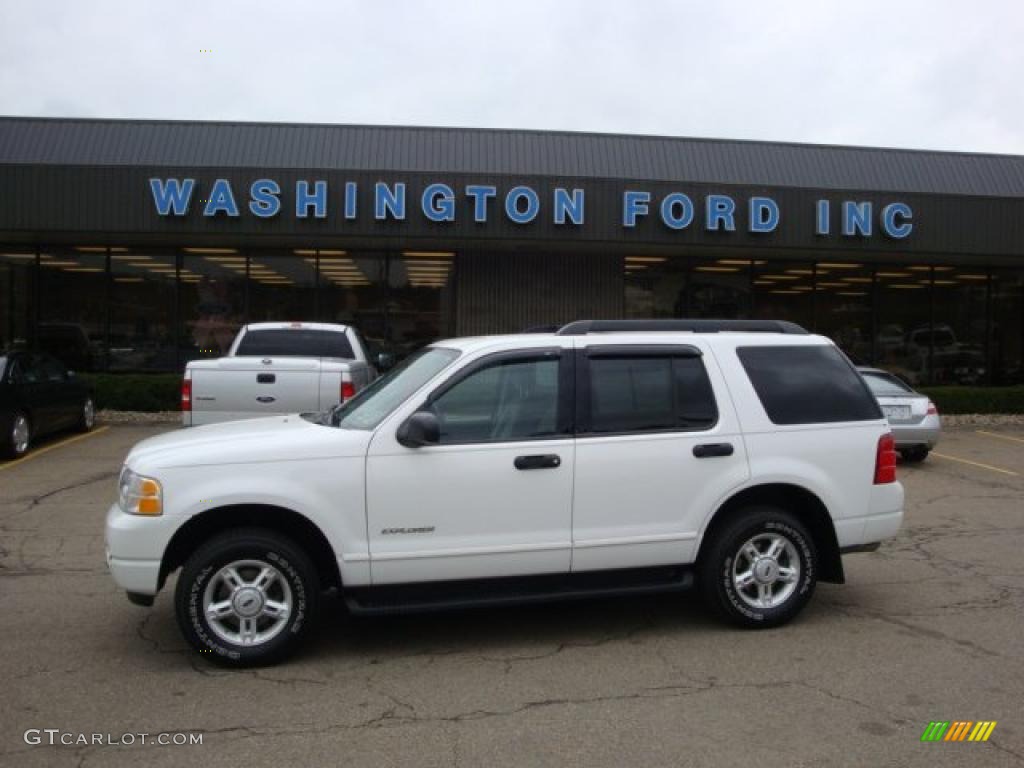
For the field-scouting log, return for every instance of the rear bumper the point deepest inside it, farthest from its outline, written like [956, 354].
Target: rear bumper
[926, 432]
[882, 522]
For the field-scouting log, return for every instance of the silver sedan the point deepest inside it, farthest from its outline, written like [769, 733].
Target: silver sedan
[915, 421]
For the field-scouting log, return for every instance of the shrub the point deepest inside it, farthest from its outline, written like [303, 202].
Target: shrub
[136, 391]
[977, 399]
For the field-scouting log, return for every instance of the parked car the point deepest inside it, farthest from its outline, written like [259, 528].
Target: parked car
[276, 368]
[38, 396]
[610, 457]
[914, 419]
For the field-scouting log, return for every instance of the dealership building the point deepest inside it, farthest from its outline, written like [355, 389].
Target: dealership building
[132, 245]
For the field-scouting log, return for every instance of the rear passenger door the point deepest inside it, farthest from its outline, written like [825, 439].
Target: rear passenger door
[658, 445]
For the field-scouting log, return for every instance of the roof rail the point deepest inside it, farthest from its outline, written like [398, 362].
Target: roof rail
[583, 327]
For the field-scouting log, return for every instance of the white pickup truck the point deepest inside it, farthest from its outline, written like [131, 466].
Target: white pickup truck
[276, 368]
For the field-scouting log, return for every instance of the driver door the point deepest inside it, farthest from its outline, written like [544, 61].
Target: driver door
[494, 496]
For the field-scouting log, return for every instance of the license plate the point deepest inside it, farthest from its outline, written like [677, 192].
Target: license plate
[896, 411]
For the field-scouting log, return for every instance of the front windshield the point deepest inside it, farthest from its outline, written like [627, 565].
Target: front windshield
[371, 406]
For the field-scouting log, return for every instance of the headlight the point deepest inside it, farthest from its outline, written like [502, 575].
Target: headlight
[139, 495]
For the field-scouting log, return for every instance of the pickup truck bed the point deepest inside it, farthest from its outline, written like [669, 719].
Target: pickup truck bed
[269, 370]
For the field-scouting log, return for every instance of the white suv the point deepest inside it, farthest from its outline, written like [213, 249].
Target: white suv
[608, 457]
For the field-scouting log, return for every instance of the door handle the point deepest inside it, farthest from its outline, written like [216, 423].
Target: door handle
[708, 450]
[265, 378]
[266, 399]
[541, 461]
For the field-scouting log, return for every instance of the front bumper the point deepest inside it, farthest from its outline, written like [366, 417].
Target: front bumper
[135, 546]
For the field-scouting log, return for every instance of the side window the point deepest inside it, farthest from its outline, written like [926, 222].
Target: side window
[640, 393]
[52, 370]
[31, 371]
[514, 399]
[808, 384]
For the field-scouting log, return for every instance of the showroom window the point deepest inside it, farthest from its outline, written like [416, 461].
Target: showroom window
[674, 286]
[211, 302]
[142, 296]
[17, 269]
[844, 306]
[1007, 335]
[419, 300]
[784, 290]
[282, 287]
[352, 291]
[73, 287]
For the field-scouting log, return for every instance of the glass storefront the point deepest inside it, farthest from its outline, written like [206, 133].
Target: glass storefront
[929, 324]
[152, 309]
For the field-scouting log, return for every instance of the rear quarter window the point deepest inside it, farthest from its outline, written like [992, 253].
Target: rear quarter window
[808, 384]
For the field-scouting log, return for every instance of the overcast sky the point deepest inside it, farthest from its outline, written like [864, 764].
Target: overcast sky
[917, 73]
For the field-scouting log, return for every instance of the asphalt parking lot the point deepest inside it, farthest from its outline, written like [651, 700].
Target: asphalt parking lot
[928, 628]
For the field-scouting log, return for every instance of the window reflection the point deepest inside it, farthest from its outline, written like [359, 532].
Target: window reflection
[211, 301]
[843, 307]
[16, 269]
[419, 298]
[72, 318]
[903, 316]
[352, 292]
[784, 290]
[282, 287]
[1008, 326]
[674, 286]
[958, 335]
[142, 295]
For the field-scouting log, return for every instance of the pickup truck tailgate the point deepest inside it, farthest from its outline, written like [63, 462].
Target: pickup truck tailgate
[255, 387]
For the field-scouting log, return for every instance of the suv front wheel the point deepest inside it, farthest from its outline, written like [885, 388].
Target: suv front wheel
[760, 569]
[246, 597]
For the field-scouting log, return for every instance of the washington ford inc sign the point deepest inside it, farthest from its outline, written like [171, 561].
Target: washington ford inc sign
[522, 204]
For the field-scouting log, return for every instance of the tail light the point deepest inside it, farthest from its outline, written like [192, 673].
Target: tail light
[932, 410]
[186, 394]
[885, 460]
[348, 390]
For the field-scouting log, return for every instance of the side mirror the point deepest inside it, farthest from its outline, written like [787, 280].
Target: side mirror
[422, 428]
[385, 361]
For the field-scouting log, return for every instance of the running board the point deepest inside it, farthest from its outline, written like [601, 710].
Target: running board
[457, 595]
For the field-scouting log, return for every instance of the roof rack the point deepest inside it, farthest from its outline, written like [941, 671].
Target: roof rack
[584, 327]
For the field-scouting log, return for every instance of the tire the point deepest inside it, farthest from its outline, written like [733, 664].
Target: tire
[86, 415]
[206, 580]
[915, 454]
[770, 599]
[17, 436]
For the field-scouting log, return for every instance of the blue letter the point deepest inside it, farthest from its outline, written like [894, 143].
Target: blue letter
[480, 194]
[304, 199]
[822, 226]
[894, 228]
[856, 218]
[438, 202]
[564, 205]
[264, 202]
[350, 199]
[221, 199]
[512, 205]
[764, 214]
[634, 204]
[668, 206]
[386, 201]
[171, 195]
[720, 210]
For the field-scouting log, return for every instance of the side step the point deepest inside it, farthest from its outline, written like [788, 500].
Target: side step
[456, 595]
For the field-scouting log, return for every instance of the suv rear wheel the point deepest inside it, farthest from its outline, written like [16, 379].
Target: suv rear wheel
[760, 569]
[247, 597]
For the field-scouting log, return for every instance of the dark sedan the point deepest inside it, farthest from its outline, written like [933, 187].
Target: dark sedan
[38, 395]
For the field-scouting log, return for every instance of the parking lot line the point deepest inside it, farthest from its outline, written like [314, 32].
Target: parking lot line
[1001, 437]
[976, 464]
[41, 451]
